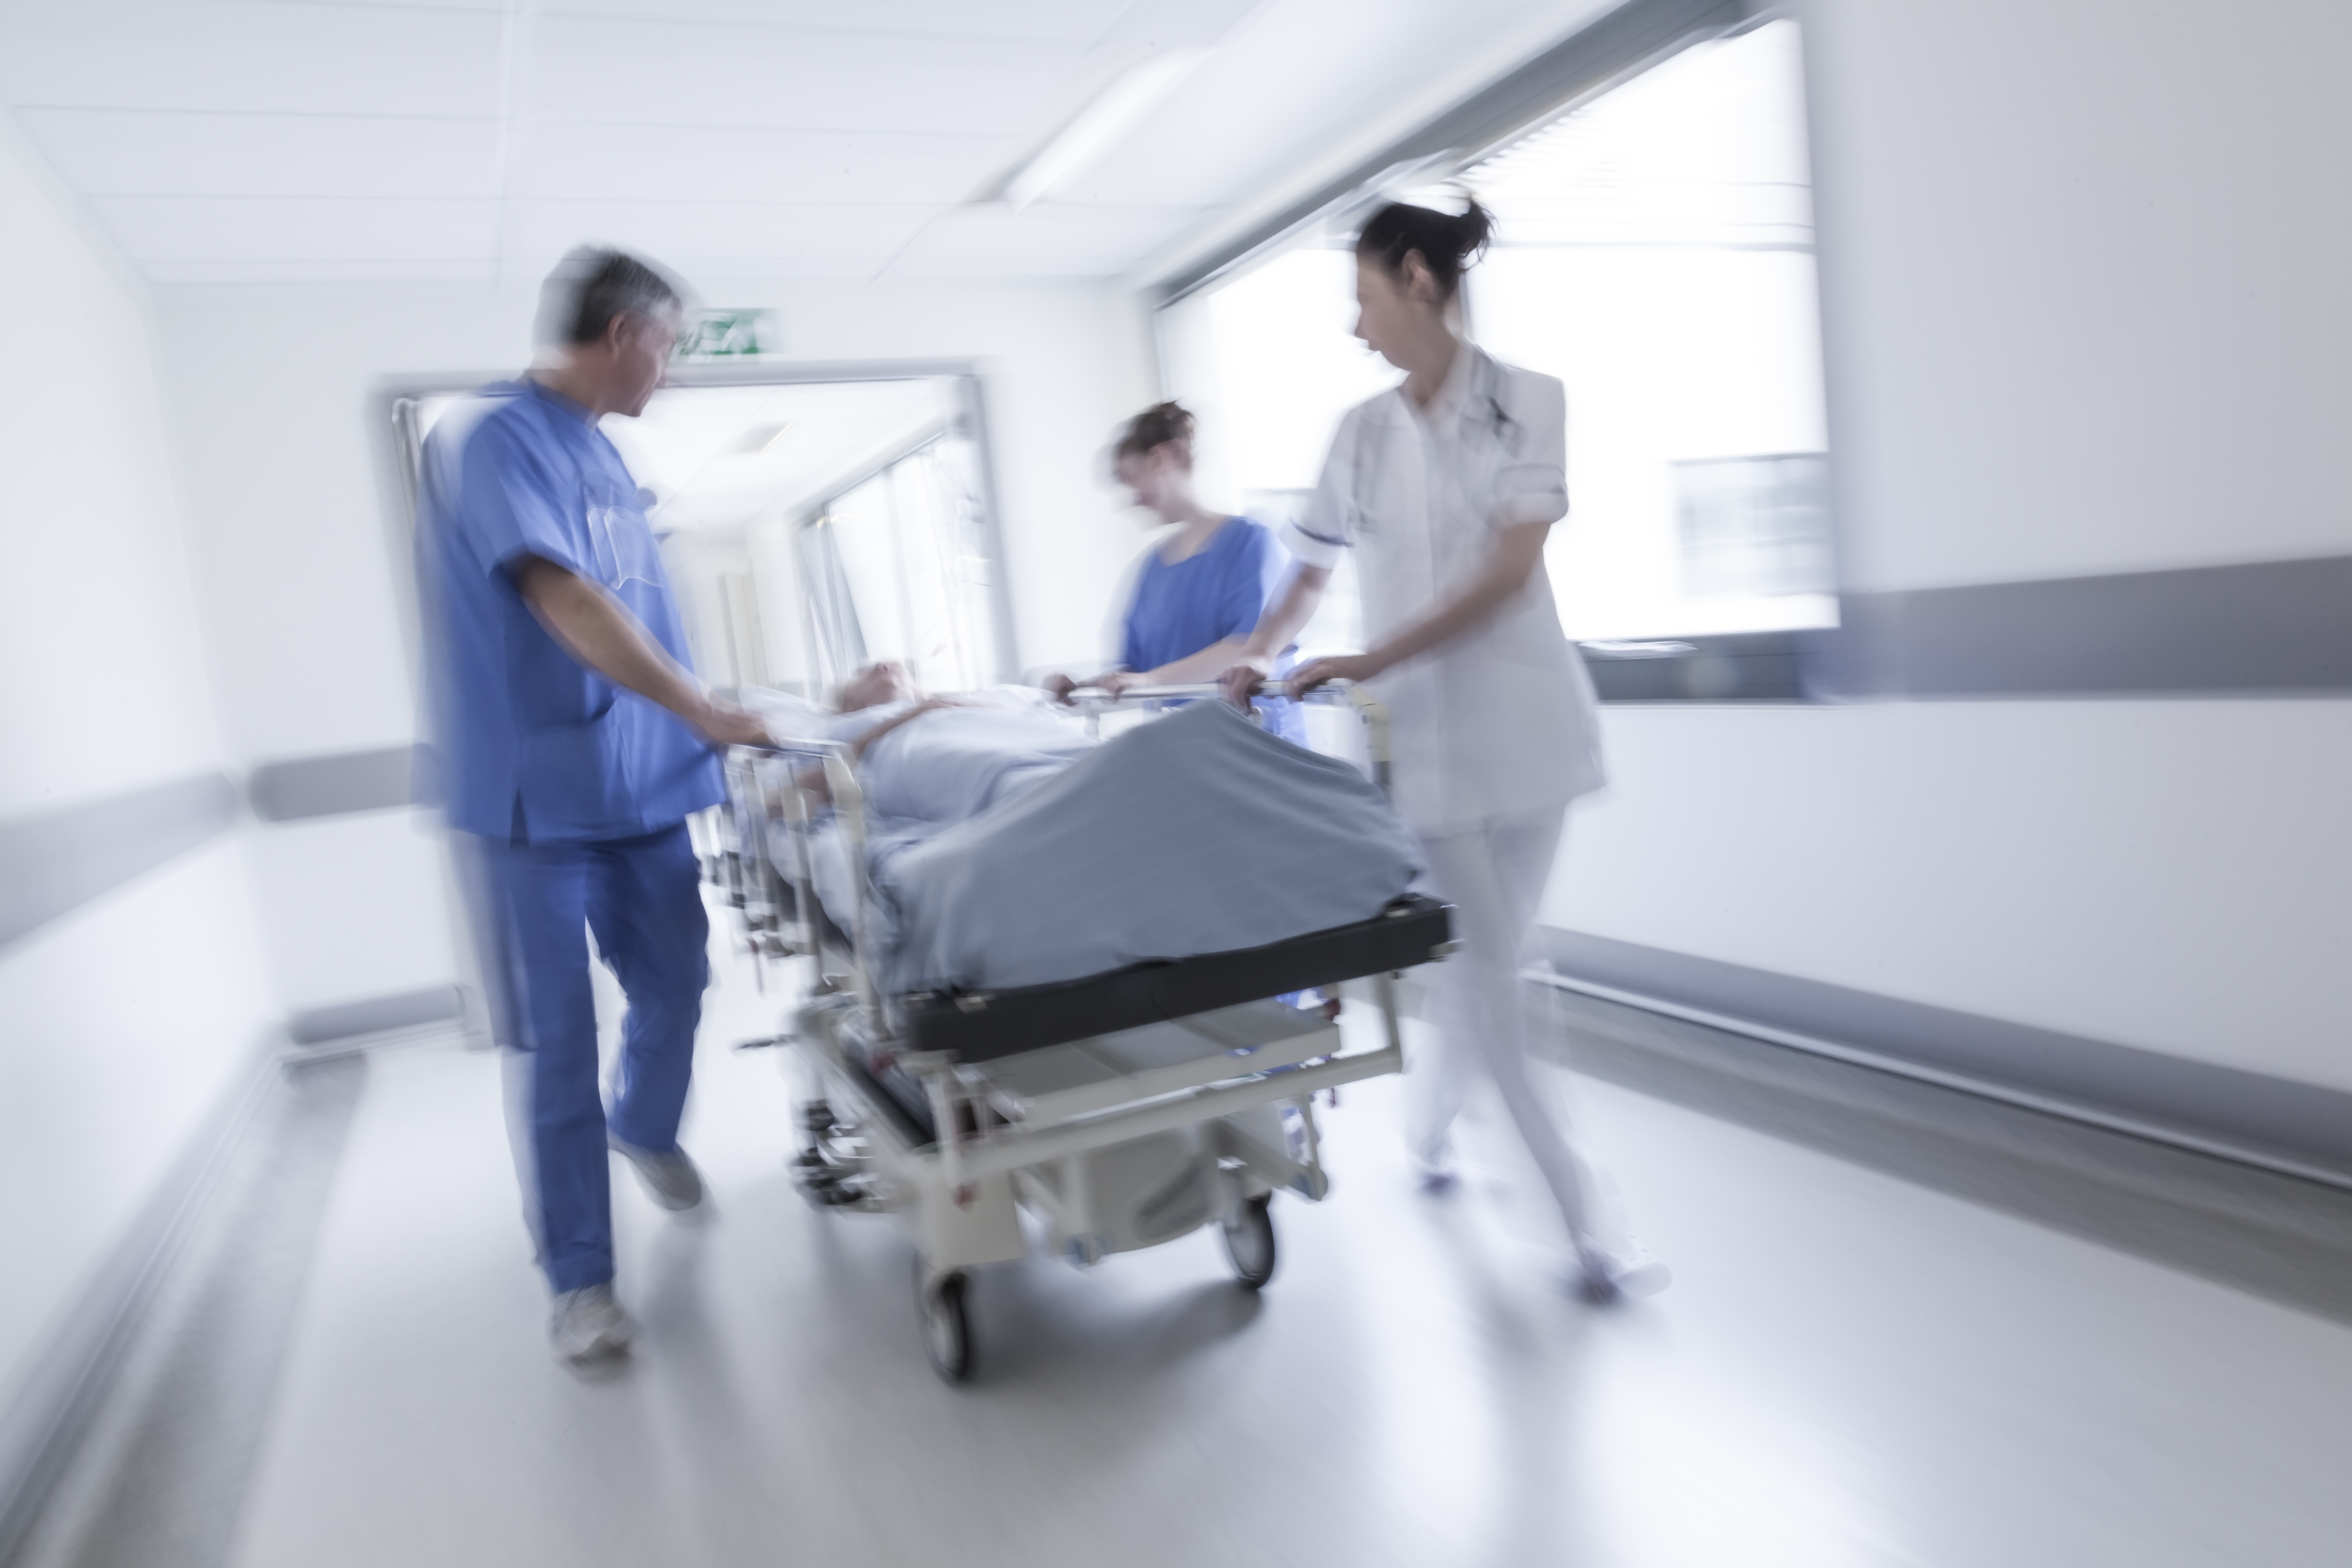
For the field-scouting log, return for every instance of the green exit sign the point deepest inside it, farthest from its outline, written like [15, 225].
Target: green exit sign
[730, 334]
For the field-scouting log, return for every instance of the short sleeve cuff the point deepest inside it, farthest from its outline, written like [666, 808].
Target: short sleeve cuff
[1311, 548]
[545, 550]
[1531, 506]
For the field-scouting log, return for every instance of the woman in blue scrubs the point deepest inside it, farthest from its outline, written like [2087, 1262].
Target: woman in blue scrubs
[1204, 588]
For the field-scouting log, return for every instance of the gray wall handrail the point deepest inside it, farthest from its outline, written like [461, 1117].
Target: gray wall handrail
[53, 862]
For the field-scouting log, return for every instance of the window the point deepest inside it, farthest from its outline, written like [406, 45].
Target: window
[1654, 251]
[899, 567]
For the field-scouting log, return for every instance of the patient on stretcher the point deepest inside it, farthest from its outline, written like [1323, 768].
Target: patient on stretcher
[1004, 847]
[974, 750]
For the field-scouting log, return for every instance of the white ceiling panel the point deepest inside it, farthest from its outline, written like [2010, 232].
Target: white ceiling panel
[1002, 267]
[682, 232]
[493, 7]
[1048, 239]
[1065, 21]
[692, 162]
[306, 138]
[278, 271]
[120, 152]
[298, 229]
[242, 57]
[637, 73]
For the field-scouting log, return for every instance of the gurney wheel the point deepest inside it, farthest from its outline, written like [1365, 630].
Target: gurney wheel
[1249, 1241]
[947, 1324]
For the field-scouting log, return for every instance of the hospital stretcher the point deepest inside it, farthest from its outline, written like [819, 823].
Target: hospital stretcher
[1122, 1110]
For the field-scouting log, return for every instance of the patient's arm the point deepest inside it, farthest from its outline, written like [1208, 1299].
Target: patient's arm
[928, 705]
[811, 779]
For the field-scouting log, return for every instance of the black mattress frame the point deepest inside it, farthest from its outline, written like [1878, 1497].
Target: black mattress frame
[978, 1026]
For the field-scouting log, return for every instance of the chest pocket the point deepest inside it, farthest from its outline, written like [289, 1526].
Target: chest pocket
[620, 541]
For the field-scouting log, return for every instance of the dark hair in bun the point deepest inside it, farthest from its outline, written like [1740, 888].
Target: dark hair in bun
[1155, 427]
[1447, 243]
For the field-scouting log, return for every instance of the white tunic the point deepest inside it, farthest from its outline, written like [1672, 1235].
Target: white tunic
[1497, 726]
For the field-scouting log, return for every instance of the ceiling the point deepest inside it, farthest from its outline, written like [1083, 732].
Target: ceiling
[276, 141]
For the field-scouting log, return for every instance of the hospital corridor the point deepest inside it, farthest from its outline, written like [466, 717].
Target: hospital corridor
[1534, 784]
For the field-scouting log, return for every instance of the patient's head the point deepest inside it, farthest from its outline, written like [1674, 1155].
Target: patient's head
[885, 681]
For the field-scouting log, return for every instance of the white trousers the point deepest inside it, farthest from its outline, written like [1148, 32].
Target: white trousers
[1494, 877]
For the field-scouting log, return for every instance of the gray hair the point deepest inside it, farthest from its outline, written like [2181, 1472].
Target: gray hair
[594, 284]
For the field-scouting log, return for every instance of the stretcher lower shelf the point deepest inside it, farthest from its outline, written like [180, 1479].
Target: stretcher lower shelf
[978, 1027]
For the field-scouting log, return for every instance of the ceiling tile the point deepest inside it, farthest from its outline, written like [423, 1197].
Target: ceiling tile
[1067, 21]
[679, 163]
[239, 55]
[630, 72]
[681, 233]
[363, 271]
[250, 229]
[1047, 238]
[117, 153]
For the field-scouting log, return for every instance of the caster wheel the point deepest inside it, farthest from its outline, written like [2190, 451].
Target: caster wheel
[947, 1324]
[1248, 1237]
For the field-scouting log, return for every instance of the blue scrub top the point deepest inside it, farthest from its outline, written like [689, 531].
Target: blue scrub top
[1220, 592]
[533, 745]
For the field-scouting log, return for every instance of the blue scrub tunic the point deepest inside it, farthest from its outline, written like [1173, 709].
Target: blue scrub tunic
[534, 746]
[1220, 592]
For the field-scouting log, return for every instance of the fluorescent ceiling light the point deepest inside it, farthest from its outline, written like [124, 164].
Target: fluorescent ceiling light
[1093, 128]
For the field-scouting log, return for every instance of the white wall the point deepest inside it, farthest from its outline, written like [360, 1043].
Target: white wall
[288, 518]
[123, 1023]
[2083, 272]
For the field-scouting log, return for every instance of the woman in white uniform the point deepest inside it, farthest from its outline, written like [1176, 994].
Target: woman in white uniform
[1445, 486]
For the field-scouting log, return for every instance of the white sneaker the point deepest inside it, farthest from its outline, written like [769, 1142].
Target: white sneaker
[671, 1178]
[587, 1326]
[1605, 1277]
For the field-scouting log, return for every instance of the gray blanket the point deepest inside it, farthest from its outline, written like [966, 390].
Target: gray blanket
[1191, 834]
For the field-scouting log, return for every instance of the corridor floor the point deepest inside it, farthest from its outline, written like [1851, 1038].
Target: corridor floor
[1851, 1369]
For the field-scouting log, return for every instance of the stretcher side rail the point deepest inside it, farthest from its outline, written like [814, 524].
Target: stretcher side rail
[978, 1026]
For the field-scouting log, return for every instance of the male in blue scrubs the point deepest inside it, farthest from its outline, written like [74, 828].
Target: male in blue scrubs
[576, 741]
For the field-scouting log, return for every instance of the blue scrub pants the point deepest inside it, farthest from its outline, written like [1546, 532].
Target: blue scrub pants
[642, 897]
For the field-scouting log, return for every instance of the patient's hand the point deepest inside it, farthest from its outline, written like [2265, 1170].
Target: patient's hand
[1058, 687]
